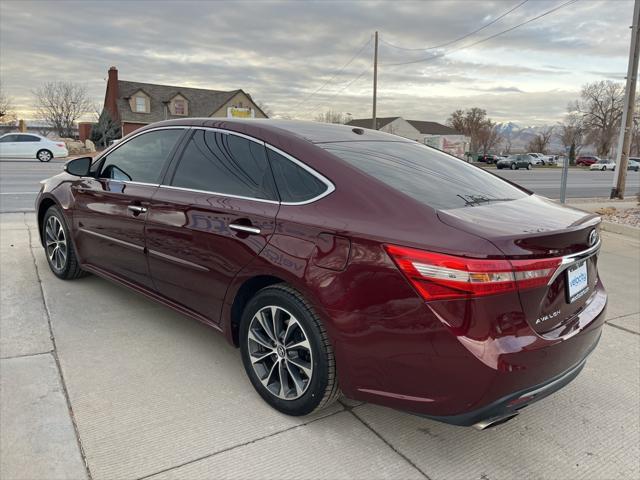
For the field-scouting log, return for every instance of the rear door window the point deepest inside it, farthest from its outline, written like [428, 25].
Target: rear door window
[295, 184]
[141, 159]
[28, 138]
[429, 176]
[226, 164]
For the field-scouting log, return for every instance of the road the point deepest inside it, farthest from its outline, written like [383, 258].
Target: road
[154, 395]
[19, 182]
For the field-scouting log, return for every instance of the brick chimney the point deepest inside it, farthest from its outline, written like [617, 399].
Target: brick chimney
[112, 94]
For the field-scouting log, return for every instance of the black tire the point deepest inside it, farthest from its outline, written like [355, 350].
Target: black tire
[514, 166]
[604, 169]
[44, 155]
[528, 166]
[70, 268]
[322, 388]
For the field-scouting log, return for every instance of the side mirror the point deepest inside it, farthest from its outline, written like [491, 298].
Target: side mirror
[78, 166]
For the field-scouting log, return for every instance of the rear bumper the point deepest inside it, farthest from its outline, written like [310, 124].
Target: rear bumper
[508, 406]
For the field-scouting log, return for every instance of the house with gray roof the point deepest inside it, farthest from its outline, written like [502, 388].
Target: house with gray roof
[135, 104]
[429, 133]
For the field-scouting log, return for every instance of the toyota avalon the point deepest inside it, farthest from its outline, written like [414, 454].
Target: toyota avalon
[340, 259]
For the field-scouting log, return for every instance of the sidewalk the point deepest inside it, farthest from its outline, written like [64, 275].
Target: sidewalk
[98, 382]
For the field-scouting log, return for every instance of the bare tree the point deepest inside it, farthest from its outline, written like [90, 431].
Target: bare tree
[488, 137]
[600, 105]
[7, 114]
[472, 123]
[540, 143]
[507, 142]
[572, 135]
[332, 117]
[61, 104]
[266, 109]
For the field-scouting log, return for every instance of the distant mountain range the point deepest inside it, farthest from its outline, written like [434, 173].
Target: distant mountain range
[521, 136]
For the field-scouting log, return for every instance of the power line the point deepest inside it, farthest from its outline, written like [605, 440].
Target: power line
[315, 108]
[450, 42]
[548, 12]
[334, 75]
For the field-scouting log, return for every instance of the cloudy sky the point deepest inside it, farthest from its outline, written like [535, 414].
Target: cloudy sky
[282, 52]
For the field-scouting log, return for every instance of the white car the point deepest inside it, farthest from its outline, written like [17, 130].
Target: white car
[30, 145]
[603, 164]
[537, 158]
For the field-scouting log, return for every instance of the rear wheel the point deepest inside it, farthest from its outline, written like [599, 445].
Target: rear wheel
[513, 166]
[44, 155]
[58, 247]
[286, 352]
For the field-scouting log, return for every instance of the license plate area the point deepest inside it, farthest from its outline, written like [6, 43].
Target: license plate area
[577, 281]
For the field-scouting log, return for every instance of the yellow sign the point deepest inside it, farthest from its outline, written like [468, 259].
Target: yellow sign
[240, 112]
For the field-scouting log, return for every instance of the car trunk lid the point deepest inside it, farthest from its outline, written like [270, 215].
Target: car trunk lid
[537, 228]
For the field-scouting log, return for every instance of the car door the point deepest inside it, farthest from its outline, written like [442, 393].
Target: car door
[8, 145]
[213, 214]
[110, 208]
[28, 146]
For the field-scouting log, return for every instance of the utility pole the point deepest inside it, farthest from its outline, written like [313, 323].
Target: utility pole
[375, 78]
[624, 140]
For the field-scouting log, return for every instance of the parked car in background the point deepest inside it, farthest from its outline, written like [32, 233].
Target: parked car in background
[340, 258]
[603, 164]
[551, 160]
[516, 161]
[30, 145]
[634, 164]
[537, 158]
[488, 158]
[587, 160]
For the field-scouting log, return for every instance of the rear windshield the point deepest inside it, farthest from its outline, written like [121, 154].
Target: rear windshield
[432, 177]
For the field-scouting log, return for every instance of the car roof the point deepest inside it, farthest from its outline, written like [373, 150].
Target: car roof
[314, 132]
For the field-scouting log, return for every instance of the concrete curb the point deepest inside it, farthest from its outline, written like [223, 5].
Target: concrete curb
[621, 229]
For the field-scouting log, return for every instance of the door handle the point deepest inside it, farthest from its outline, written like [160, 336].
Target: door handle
[244, 228]
[137, 210]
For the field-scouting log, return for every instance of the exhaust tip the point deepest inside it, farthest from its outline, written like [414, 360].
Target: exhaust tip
[495, 421]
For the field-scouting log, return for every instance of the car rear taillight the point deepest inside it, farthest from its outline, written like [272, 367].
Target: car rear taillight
[60, 144]
[437, 276]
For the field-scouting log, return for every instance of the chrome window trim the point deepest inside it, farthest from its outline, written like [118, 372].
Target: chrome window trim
[574, 258]
[330, 186]
[195, 190]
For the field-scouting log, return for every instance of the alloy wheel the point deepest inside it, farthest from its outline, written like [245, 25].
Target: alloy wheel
[280, 352]
[44, 156]
[56, 243]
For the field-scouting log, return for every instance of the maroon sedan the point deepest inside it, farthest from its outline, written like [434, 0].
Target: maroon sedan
[340, 259]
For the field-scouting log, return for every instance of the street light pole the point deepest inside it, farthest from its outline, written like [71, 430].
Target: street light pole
[375, 79]
[624, 140]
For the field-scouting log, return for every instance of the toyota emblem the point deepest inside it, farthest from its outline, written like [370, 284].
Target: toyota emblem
[593, 237]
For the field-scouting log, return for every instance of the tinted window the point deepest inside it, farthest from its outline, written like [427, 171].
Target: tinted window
[28, 138]
[294, 183]
[142, 158]
[226, 164]
[427, 175]
[9, 138]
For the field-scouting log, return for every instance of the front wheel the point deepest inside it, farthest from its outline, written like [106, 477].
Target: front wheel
[44, 155]
[58, 247]
[513, 166]
[286, 352]
[604, 169]
[528, 166]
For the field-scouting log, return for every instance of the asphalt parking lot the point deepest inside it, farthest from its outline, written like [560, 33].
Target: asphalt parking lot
[19, 182]
[99, 382]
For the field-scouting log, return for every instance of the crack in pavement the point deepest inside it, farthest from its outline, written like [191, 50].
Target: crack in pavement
[210, 455]
[23, 355]
[384, 440]
[54, 354]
